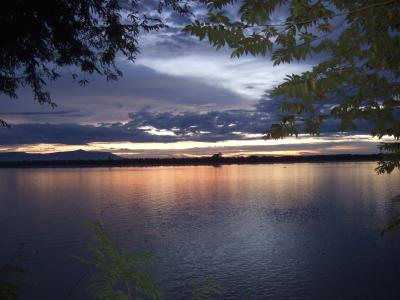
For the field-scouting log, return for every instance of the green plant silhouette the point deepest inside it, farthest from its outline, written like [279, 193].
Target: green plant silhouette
[117, 274]
[12, 277]
[394, 225]
[207, 291]
[11, 281]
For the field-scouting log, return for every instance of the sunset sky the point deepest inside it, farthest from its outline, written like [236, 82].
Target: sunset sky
[181, 97]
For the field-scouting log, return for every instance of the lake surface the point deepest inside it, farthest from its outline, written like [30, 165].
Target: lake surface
[296, 231]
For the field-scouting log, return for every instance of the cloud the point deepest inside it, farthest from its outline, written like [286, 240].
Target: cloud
[174, 52]
[102, 101]
[290, 146]
[149, 125]
[70, 112]
[73, 134]
[180, 90]
[220, 70]
[174, 72]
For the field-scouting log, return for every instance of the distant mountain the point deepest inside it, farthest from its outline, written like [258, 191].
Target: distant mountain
[69, 155]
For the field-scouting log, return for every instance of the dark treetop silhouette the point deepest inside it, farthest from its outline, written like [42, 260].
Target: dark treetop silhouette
[357, 78]
[39, 37]
[356, 45]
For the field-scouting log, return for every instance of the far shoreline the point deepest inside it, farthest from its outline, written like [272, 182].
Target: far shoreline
[199, 161]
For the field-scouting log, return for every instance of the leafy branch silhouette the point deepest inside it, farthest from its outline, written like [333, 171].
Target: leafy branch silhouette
[118, 274]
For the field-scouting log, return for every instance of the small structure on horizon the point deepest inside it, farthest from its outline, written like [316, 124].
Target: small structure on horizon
[216, 156]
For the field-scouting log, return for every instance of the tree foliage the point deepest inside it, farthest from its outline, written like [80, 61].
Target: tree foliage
[39, 37]
[118, 274]
[207, 291]
[13, 278]
[357, 75]
[357, 48]
[11, 281]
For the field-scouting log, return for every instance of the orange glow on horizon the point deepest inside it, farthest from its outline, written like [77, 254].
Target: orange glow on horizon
[297, 146]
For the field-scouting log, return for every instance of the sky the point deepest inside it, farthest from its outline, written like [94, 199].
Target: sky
[181, 97]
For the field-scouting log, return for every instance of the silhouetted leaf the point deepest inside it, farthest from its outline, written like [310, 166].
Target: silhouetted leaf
[117, 273]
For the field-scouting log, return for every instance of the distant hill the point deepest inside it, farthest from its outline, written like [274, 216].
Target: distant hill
[58, 156]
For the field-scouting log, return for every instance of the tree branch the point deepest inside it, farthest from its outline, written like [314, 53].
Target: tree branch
[360, 9]
[4, 124]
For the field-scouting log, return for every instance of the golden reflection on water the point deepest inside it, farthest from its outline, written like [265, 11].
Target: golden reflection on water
[237, 219]
[278, 185]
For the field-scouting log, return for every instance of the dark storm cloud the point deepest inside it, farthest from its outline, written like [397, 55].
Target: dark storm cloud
[69, 134]
[152, 126]
[140, 82]
[215, 122]
[223, 125]
[71, 112]
[195, 126]
[102, 101]
[175, 42]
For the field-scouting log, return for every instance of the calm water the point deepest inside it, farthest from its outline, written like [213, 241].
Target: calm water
[299, 231]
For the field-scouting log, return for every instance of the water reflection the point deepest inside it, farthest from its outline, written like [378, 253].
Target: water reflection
[279, 231]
